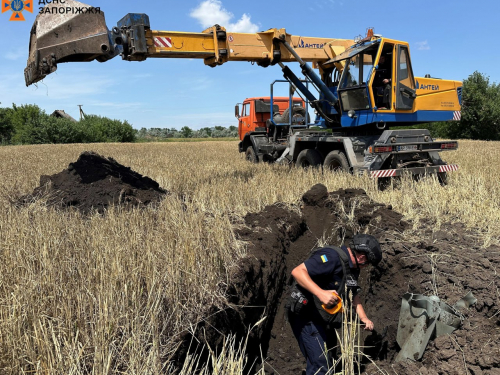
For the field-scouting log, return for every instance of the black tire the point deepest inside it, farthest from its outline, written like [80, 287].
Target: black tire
[250, 155]
[384, 183]
[443, 178]
[285, 117]
[336, 161]
[309, 158]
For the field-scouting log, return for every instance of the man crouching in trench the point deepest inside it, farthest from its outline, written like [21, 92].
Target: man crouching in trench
[321, 280]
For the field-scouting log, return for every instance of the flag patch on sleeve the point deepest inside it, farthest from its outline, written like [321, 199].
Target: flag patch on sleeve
[324, 258]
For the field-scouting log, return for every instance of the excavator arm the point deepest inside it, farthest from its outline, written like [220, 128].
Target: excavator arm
[217, 46]
[59, 35]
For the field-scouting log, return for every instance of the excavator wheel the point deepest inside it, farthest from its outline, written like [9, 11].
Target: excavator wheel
[384, 183]
[443, 178]
[309, 158]
[250, 155]
[336, 161]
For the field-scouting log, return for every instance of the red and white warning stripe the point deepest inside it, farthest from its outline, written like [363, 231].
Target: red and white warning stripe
[383, 173]
[448, 168]
[163, 42]
[457, 115]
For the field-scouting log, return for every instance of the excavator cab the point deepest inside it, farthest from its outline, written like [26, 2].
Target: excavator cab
[377, 78]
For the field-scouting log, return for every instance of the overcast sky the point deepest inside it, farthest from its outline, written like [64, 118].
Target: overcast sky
[446, 38]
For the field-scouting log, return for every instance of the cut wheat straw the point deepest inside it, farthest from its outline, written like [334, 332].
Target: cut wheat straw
[112, 294]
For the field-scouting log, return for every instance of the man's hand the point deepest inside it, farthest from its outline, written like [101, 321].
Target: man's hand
[368, 324]
[328, 298]
[385, 81]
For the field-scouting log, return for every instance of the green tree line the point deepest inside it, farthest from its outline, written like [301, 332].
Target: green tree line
[186, 132]
[28, 124]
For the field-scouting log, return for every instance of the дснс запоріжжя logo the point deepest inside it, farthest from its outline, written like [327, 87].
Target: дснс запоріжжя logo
[17, 7]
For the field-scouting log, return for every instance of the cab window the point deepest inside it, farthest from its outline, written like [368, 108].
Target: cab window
[357, 73]
[352, 72]
[367, 66]
[246, 110]
[404, 69]
[358, 69]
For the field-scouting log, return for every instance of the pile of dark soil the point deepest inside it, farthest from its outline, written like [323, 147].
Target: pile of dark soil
[94, 182]
[448, 262]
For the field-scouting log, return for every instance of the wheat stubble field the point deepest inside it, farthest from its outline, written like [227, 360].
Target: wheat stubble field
[111, 294]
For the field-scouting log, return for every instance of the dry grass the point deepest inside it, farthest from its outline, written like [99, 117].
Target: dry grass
[110, 294]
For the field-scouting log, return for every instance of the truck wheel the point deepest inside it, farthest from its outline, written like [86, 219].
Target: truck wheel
[383, 183]
[443, 178]
[336, 161]
[309, 158]
[250, 155]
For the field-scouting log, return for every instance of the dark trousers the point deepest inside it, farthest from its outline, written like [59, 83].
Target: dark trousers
[315, 343]
[383, 96]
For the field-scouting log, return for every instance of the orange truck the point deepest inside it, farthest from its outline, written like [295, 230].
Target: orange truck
[256, 111]
[255, 115]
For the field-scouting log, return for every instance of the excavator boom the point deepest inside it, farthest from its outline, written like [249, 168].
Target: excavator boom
[59, 36]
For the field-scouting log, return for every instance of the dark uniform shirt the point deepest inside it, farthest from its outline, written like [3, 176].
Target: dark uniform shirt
[311, 330]
[325, 269]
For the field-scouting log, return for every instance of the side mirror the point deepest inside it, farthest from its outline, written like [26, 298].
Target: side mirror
[237, 111]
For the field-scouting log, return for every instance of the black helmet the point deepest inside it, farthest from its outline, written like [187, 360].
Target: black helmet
[364, 243]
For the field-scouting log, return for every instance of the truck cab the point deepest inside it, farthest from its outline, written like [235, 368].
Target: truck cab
[255, 112]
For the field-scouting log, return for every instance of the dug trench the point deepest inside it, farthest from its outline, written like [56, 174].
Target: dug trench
[448, 263]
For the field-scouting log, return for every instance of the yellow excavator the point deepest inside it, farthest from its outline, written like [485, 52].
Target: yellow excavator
[365, 87]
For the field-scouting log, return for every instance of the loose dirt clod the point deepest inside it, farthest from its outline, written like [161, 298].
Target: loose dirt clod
[447, 263]
[95, 182]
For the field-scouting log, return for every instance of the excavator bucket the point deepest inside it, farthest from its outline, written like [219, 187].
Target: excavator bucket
[67, 32]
